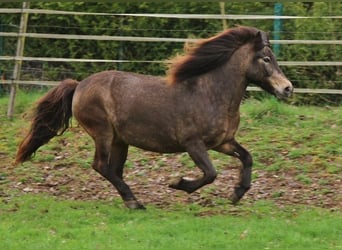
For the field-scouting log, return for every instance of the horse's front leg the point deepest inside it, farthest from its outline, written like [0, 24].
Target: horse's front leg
[233, 148]
[198, 153]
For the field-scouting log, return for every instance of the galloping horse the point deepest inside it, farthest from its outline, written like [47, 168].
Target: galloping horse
[194, 109]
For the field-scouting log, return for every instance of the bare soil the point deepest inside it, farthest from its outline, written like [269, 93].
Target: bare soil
[150, 182]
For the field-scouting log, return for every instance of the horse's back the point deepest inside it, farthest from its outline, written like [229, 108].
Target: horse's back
[112, 86]
[138, 109]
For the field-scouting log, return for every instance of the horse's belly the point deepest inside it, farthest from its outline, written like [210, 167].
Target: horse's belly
[159, 148]
[151, 144]
[149, 138]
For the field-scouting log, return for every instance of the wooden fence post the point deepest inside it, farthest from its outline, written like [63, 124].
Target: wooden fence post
[223, 12]
[18, 60]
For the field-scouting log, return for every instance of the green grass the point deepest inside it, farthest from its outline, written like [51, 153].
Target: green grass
[274, 132]
[301, 136]
[38, 222]
[303, 140]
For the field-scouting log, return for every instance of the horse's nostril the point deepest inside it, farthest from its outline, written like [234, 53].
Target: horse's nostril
[288, 90]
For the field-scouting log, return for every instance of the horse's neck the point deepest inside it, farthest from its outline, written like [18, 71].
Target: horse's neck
[228, 82]
[224, 87]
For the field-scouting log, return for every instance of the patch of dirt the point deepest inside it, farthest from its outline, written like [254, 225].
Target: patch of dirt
[150, 185]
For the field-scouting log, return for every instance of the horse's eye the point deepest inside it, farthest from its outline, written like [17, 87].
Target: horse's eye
[266, 59]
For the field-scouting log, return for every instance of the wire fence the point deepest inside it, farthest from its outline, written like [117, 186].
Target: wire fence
[19, 58]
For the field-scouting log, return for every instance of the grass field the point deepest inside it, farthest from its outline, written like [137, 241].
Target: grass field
[39, 222]
[57, 201]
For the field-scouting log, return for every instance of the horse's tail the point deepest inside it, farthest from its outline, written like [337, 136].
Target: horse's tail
[51, 117]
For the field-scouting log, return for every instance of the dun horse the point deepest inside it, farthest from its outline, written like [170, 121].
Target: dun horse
[194, 109]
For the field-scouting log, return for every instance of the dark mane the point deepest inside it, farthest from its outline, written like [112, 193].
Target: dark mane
[209, 54]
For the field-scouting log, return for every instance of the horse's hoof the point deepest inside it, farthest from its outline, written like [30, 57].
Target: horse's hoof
[175, 183]
[185, 183]
[133, 204]
[234, 199]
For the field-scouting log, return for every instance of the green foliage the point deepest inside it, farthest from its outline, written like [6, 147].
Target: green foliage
[313, 29]
[302, 76]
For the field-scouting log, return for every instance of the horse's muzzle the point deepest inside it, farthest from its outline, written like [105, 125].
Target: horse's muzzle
[283, 89]
[288, 91]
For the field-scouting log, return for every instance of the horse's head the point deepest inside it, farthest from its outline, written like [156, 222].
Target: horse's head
[264, 69]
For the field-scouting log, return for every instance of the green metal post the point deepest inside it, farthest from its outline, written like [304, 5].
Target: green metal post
[277, 27]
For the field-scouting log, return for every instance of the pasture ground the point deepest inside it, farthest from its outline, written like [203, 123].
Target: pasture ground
[295, 201]
[43, 222]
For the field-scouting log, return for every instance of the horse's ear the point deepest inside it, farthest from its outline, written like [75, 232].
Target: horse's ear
[259, 41]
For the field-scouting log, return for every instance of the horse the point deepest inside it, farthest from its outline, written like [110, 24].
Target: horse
[193, 109]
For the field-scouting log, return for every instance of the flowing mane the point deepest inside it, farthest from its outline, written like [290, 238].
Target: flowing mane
[209, 54]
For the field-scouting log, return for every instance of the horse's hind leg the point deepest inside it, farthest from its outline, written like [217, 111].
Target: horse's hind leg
[117, 160]
[235, 149]
[109, 162]
[110, 156]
